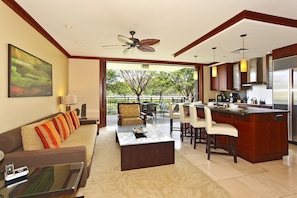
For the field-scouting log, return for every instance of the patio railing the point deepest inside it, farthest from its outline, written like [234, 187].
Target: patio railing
[113, 100]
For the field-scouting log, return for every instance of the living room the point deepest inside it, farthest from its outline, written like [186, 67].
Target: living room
[70, 76]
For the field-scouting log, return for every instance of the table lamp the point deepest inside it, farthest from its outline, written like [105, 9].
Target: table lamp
[68, 100]
[1, 155]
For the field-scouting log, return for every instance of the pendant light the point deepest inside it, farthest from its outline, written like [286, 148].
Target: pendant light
[243, 62]
[214, 69]
[195, 72]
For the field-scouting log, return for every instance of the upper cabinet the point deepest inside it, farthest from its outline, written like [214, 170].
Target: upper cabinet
[224, 79]
[283, 52]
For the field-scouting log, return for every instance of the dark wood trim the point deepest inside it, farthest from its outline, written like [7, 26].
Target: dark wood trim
[107, 59]
[23, 14]
[102, 93]
[246, 14]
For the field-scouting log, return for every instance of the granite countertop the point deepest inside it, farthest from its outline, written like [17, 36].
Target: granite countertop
[243, 110]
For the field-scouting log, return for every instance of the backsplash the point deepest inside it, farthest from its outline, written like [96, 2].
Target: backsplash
[260, 92]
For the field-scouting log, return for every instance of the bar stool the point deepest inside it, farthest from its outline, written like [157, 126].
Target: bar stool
[197, 124]
[173, 115]
[184, 123]
[220, 129]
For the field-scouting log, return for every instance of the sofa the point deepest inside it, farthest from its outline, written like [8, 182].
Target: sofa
[70, 140]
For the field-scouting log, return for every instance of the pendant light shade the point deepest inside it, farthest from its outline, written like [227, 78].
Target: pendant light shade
[214, 69]
[195, 75]
[243, 65]
[243, 62]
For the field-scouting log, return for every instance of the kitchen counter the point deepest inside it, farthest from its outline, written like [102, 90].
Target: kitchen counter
[262, 132]
[244, 110]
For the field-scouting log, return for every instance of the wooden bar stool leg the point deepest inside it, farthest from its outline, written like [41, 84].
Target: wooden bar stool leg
[208, 146]
[171, 125]
[235, 149]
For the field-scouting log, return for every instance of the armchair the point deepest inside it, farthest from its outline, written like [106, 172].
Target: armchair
[130, 114]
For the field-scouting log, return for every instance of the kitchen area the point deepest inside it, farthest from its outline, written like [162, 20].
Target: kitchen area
[268, 82]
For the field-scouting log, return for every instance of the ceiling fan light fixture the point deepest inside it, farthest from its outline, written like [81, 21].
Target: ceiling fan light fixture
[243, 61]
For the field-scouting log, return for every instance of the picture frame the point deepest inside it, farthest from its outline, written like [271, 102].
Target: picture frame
[28, 75]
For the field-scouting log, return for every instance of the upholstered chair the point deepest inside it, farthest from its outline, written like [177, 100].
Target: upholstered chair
[130, 114]
[197, 125]
[220, 129]
[184, 122]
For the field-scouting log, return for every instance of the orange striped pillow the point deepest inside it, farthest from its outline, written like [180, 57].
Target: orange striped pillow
[61, 126]
[75, 119]
[48, 135]
[69, 122]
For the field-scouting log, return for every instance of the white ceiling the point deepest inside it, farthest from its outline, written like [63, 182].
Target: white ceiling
[176, 23]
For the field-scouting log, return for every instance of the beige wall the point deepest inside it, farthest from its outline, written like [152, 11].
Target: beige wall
[15, 112]
[206, 89]
[84, 82]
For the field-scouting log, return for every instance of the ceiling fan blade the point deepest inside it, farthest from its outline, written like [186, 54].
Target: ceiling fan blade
[149, 41]
[125, 39]
[145, 48]
[128, 50]
[113, 45]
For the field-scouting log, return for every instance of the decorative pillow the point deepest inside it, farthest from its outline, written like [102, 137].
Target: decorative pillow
[61, 126]
[69, 122]
[75, 119]
[30, 138]
[48, 135]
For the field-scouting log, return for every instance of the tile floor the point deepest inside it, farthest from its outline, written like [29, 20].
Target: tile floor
[268, 179]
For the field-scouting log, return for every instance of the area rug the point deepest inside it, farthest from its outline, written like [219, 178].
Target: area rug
[181, 179]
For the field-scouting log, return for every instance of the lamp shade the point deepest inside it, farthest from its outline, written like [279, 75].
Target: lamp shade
[214, 71]
[1, 155]
[243, 65]
[70, 99]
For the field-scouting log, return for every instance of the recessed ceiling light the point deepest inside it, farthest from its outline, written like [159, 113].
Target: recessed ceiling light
[68, 26]
[78, 42]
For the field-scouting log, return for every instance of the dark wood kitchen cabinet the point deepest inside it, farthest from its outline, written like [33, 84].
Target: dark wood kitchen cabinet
[283, 52]
[224, 79]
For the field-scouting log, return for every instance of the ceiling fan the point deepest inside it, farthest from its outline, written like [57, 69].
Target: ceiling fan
[131, 43]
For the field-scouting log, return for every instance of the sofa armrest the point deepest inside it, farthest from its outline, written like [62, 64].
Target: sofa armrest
[48, 157]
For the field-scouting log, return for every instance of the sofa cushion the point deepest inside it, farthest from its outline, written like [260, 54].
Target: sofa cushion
[75, 119]
[48, 135]
[30, 139]
[85, 135]
[69, 122]
[61, 126]
[132, 121]
[129, 110]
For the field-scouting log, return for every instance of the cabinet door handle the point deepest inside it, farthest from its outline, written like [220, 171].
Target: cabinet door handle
[278, 117]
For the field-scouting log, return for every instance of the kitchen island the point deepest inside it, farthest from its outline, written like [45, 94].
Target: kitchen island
[262, 133]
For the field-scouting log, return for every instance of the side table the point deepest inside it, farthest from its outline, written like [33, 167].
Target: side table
[90, 121]
[47, 181]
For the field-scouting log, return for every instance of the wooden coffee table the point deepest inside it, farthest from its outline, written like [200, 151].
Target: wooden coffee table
[154, 150]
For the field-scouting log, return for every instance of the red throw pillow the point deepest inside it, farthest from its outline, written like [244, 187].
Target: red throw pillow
[75, 119]
[48, 135]
[61, 126]
[69, 122]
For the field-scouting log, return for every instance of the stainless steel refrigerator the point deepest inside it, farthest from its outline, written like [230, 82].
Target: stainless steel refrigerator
[285, 91]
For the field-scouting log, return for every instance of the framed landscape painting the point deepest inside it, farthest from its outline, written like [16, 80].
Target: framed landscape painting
[28, 76]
